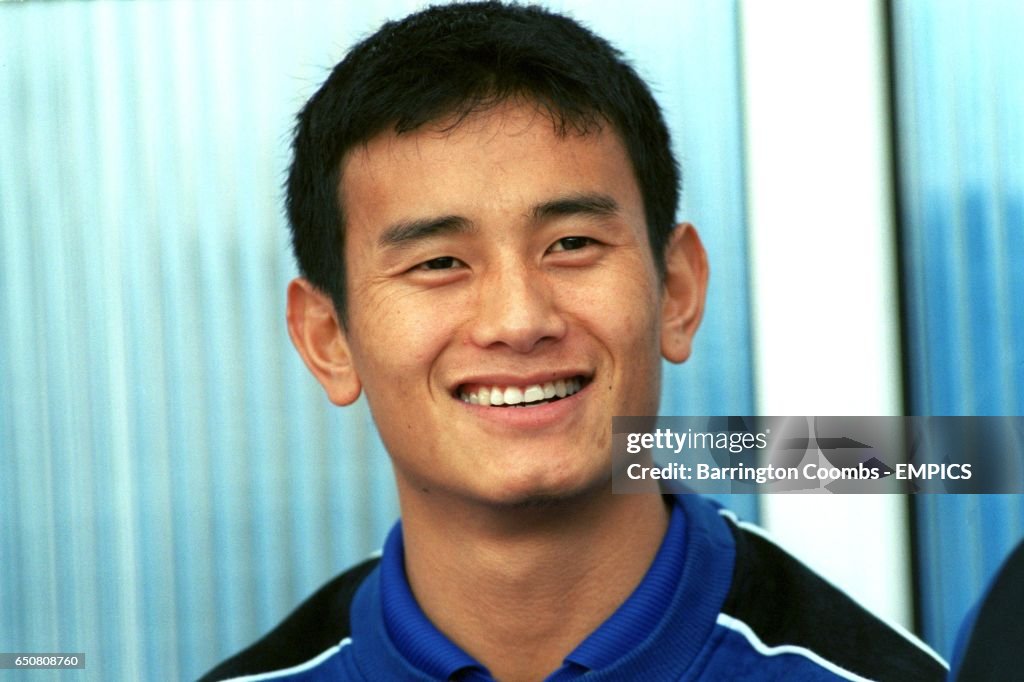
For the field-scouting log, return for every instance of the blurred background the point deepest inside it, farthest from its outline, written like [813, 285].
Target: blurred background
[173, 482]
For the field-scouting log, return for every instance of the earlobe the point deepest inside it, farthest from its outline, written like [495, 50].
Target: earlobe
[321, 341]
[685, 288]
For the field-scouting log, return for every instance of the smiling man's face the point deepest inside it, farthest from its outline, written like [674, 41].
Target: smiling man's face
[503, 303]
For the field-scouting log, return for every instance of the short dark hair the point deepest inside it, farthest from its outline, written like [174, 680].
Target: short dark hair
[454, 60]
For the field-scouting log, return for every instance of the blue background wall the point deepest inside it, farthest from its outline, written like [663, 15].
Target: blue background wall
[960, 103]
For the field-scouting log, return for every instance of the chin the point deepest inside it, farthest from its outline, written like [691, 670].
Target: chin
[547, 494]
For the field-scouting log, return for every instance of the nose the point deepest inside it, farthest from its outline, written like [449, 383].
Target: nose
[516, 308]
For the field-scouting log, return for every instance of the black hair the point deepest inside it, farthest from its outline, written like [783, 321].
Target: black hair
[454, 60]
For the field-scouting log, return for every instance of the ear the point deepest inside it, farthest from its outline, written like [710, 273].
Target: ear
[321, 341]
[685, 287]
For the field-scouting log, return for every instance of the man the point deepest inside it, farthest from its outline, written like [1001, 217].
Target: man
[482, 202]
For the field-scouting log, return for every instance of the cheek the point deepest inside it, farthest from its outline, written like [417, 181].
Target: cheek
[624, 314]
[624, 309]
[392, 334]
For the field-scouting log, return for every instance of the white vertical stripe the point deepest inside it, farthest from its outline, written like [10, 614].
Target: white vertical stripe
[825, 296]
[122, 577]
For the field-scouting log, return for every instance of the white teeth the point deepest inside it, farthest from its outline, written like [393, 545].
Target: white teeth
[516, 396]
[560, 388]
[513, 395]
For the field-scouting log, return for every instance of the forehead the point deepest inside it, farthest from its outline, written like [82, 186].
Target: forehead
[504, 158]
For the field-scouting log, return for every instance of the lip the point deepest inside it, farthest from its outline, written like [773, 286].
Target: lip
[537, 417]
[519, 379]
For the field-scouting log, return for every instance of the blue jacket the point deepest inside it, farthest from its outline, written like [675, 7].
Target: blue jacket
[720, 602]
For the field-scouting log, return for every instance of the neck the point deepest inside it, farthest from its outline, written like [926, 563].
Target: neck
[542, 576]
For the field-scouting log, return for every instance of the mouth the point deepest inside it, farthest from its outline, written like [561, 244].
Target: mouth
[522, 396]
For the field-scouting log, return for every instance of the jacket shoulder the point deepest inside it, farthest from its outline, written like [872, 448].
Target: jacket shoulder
[317, 624]
[785, 604]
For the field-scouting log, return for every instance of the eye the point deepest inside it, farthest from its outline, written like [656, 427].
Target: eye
[441, 263]
[570, 244]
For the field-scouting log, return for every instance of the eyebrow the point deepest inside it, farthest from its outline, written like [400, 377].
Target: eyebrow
[407, 232]
[593, 204]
